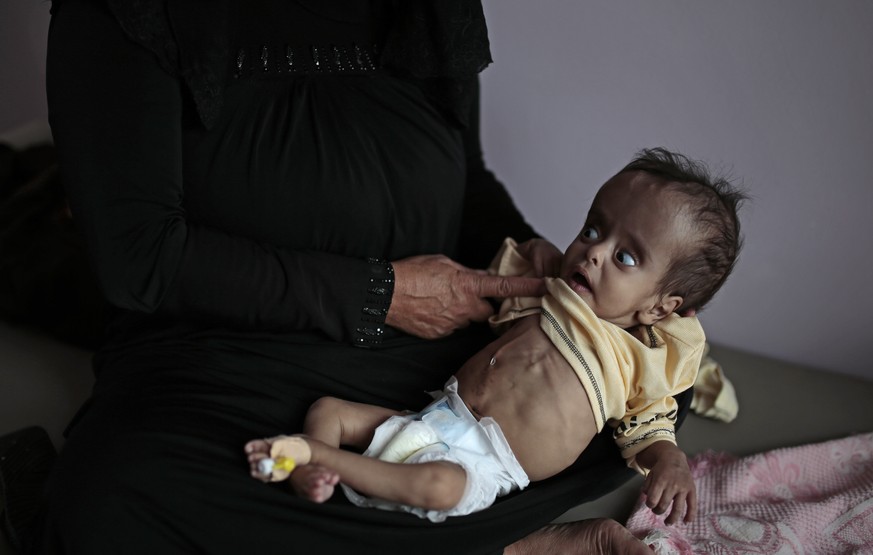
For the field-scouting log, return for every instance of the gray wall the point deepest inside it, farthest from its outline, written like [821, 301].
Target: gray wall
[777, 93]
[23, 29]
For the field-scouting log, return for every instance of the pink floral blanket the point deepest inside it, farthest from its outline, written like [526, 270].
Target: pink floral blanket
[812, 499]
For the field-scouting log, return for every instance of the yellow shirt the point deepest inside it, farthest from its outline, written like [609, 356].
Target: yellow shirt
[630, 376]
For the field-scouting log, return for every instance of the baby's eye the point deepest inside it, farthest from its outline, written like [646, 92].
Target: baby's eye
[625, 258]
[589, 232]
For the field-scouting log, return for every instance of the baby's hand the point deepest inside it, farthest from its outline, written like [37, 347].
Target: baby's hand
[670, 483]
[543, 256]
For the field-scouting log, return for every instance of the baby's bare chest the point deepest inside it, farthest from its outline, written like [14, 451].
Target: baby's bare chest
[523, 382]
[518, 368]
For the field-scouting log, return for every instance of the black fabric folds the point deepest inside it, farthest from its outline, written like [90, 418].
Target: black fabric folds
[442, 43]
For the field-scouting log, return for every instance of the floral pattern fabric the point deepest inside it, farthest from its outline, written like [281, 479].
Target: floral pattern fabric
[809, 499]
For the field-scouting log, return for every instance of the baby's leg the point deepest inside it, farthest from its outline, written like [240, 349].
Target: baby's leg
[332, 422]
[336, 422]
[432, 485]
[437, 485]
[311, 481]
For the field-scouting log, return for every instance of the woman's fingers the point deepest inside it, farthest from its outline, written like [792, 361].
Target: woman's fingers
[487, 286]
[434, 296]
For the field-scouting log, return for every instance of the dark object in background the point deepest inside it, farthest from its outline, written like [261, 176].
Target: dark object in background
[18, 167]
[45, 280]
[26, 457]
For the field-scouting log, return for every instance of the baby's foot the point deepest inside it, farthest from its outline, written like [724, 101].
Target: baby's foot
[314, 482]
[266, 456]
[258, 450]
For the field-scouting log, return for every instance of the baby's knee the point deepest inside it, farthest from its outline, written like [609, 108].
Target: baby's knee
[325, 408]
[442, 486]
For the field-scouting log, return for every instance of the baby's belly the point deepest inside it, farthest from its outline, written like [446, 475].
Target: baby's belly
[522, 382]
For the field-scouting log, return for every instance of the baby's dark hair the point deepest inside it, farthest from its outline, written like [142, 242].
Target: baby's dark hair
[699, 272]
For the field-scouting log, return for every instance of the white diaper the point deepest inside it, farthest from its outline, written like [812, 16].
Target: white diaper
[446, 431]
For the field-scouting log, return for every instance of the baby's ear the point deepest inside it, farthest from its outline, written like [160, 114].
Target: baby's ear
[665, 307]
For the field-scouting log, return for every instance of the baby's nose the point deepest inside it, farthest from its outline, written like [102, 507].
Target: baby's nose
[597, 253]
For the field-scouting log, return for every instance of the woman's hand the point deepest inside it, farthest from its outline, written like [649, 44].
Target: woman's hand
[434, 296]
[543, 256]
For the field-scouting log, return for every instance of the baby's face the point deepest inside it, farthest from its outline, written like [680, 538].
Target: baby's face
[633, 231]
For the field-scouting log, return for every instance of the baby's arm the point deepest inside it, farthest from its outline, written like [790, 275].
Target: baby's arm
[669, 481]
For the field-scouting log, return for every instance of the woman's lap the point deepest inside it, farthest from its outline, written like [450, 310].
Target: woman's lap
[155, 465]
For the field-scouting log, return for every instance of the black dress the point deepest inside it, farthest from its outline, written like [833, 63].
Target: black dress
[242, 243]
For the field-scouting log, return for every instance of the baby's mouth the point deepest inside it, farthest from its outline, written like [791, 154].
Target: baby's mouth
[580, 280]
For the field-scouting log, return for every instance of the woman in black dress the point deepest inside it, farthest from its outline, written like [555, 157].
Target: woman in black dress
[273, 195]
